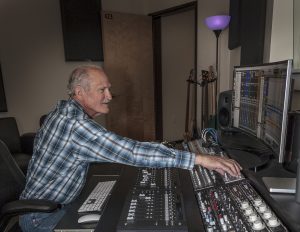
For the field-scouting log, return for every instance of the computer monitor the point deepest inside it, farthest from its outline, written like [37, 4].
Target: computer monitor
[261, 101]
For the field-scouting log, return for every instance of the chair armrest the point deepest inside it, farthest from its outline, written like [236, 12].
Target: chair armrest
[27, 141]
[26, 206]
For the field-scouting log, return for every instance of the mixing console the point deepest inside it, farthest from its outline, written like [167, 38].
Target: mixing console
[225, 203]
[155, 203]
[202, 177]
[230, 203]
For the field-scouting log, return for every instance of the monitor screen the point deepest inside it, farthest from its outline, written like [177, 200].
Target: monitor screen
[261, 101]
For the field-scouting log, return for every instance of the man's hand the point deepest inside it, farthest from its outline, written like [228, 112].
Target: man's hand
[219, 164]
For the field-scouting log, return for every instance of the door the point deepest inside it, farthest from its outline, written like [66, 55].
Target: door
[178, 59]
[128, 62]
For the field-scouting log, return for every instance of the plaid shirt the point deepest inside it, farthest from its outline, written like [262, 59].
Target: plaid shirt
[69, 140]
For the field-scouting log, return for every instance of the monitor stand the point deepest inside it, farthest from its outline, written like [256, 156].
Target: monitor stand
[284, 185]
[280, 184]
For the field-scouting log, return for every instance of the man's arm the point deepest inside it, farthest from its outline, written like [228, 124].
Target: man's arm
[220, 164]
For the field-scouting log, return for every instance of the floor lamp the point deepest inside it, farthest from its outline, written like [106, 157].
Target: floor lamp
[217, 23]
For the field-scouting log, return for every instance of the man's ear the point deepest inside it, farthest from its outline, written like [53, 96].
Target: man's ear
[78, 91]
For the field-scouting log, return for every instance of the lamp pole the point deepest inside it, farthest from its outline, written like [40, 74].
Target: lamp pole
[217, 33]
[217, 23]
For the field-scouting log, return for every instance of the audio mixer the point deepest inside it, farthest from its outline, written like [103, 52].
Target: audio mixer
[155, 203]
[225, 203]
[229, 203]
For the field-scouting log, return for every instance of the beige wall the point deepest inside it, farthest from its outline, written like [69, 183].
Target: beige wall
[297, 34]
[281, 47]
[32, 59]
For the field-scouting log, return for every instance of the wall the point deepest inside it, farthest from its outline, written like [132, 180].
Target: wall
[297, 34]
[140, 6]
[281, 47]
[32, 57]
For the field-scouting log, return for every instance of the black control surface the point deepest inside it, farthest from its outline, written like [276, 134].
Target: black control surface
[155, 203]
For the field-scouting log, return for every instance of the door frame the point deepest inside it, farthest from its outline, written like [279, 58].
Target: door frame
[157, 64]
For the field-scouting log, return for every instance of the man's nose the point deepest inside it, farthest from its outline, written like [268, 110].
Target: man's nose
[108, 95]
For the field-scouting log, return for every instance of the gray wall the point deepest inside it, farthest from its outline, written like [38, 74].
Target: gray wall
[32, 56]
[32, 59]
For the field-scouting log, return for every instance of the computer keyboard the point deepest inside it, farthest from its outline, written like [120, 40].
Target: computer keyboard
[97, 197]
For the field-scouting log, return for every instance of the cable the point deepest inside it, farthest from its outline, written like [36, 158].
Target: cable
[210, 136]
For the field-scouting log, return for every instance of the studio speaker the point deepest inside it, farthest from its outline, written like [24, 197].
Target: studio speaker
[225, 110]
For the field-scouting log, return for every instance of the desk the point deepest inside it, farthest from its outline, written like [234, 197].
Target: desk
[126, 179]
[97, 172]
[283, 204]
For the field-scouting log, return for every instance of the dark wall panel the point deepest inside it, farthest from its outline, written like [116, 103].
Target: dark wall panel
[247, 29]
[81, 24]
[235, 24]
[253, 19]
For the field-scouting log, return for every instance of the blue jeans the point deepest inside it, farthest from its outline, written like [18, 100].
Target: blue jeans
[40, 222]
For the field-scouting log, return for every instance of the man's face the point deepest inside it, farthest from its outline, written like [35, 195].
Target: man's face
[96, 96]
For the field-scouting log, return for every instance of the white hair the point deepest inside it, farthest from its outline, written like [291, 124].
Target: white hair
[79, 76]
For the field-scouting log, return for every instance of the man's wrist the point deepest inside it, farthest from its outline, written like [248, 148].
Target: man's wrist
[198, 160]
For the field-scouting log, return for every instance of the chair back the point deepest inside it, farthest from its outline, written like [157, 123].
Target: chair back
[12, 179]
[10, 135]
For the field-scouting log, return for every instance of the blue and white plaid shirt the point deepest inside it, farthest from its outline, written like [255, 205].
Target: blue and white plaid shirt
[69, 140]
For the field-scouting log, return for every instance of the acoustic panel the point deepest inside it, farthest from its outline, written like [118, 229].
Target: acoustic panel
[253, 18]
[235, 24]
[81, 24]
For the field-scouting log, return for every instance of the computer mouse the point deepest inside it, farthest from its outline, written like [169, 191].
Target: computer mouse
[89, 218]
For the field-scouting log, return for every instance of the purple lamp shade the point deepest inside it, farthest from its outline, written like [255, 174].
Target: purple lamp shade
[217, 22]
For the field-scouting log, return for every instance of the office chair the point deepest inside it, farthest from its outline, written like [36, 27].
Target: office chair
[20, 146]
[12, 182]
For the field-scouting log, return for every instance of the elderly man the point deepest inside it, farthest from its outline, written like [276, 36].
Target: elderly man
[70, 140]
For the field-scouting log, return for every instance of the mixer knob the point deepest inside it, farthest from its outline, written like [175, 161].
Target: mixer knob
[248, 211]
[258, 225]
[262, 208]
[224, 227]
[273, 222]
[257, 201]
[244, 204]
[252, 217]
[267, 214]
[210, 229]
